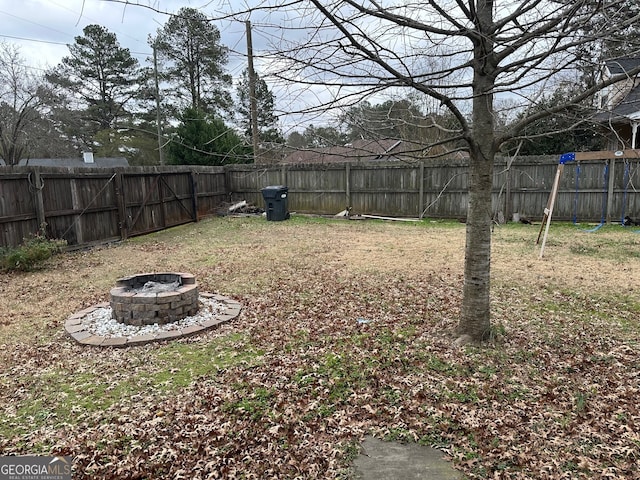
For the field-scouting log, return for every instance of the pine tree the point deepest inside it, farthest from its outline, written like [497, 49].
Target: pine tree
[265, 100]
[193, 62]
[98, 80]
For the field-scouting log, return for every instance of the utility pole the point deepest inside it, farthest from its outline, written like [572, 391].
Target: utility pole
[158, 119]
[252, 96]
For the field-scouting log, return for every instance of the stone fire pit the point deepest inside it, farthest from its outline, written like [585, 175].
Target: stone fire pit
[154, 298]
[150, 307]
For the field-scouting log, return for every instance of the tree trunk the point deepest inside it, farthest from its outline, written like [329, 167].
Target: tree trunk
[475, 318]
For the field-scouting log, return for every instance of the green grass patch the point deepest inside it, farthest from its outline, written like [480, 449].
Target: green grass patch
[254, 404]
[57, 396]
[399, 434]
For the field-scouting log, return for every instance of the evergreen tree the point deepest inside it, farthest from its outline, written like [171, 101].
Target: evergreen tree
[322, 137]
[193, 62]
[98, 80]
[296, 140]
[201, 139]
[397, 119]
[267, 120]
[560, 132]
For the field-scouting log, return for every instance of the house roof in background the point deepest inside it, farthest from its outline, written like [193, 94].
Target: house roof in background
[358, 151]
[98, 162]
[628, 108]
[622, 65]
[630, 104]
[624, 111]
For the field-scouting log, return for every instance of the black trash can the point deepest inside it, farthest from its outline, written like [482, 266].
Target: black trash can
[275, 202]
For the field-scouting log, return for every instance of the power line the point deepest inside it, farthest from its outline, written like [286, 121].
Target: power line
[33, 40]
[56, 43]
[61, 32]
[32, 22]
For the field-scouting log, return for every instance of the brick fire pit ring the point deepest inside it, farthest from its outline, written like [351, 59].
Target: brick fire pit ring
[151, 307]
[78, 325]
[154, 298]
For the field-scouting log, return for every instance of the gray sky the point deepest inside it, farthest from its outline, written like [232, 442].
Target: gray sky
[43, 28]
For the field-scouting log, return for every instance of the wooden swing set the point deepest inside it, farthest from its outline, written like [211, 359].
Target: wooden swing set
[609, 157]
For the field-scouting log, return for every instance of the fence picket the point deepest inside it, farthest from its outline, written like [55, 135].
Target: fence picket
[434, 190]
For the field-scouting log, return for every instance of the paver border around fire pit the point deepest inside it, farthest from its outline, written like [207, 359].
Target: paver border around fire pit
[75, 328]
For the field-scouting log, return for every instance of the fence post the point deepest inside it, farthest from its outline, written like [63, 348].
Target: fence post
[347, 174]
[77, 209]
[508, 200]
[611, 189]
[163, 206]
[194, 195]
[227, 182]
[122, 211]
[421, 189]
[283, 175]
[39, 202]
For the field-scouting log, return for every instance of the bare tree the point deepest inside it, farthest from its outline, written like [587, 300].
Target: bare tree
[20, 101]
[466, 56]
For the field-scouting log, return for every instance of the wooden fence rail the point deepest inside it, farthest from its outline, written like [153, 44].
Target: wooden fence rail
[439, 189]
[96, 205]
[93, 206]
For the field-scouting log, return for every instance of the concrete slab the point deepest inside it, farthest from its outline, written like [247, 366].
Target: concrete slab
[380, 460]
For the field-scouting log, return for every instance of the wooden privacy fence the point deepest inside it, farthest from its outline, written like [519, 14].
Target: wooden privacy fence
[90, 206]
[439, 189]
[96, 205]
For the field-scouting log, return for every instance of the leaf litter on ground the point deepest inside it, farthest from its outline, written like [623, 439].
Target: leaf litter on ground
[289, 388]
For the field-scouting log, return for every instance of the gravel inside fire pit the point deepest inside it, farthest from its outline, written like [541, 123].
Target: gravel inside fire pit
[99, 322]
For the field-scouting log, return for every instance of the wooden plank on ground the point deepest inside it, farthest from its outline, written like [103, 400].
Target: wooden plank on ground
[395, 219]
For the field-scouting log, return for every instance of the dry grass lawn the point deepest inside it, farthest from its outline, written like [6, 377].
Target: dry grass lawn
[289, 388]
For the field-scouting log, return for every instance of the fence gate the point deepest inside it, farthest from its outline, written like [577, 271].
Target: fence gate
[156, 201]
